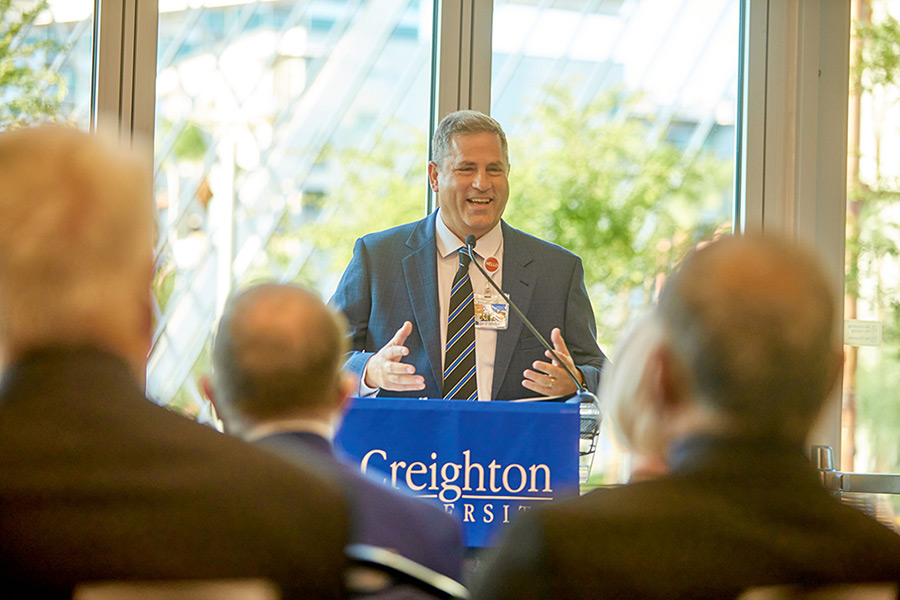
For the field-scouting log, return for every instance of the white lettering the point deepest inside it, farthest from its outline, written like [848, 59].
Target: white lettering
[433, 468]
[415, 468]
[451, 479]
[488, 513]
[522, 479]
[447, 481]
[534, 470]
[394, 466]
[467, 454]
[365, 461]
[493, 467]
[468, 513]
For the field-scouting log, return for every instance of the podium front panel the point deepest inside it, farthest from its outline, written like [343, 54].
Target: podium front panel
[483, 462]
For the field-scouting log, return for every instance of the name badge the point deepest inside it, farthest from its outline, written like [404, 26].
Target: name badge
[491, 312]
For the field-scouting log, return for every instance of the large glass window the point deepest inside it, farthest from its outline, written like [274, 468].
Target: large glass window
[621, 118]
[871, 394]
[45, 61]
[284, 130]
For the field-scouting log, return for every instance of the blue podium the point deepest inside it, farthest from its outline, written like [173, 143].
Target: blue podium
[484, 462]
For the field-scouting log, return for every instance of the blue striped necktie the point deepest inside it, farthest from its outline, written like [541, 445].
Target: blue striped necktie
[459, 356]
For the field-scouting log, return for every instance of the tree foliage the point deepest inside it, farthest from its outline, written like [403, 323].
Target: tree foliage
[874, 248]
[880, 60]
[378, 189]
[630, 206]
[30, 90]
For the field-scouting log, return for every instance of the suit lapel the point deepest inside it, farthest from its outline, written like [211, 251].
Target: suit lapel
[518, 281]
[420, 272]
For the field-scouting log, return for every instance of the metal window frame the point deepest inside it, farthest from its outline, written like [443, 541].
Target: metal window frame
[123, 90]
[793, 154]
[461, 62]
[463, 56]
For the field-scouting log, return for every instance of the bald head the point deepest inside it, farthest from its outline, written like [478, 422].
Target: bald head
[277, 354]
[752, 322]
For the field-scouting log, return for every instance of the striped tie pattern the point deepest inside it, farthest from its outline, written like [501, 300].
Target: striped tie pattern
[459, 356]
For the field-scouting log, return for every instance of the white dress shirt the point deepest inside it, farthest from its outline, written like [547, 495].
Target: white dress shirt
[448, 245]
[488, 245]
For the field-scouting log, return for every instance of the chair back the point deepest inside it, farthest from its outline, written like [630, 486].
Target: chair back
[380, 574]
[200, 589]
[862, 591]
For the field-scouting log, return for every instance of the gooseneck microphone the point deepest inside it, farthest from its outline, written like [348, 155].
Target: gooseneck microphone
[583, 394]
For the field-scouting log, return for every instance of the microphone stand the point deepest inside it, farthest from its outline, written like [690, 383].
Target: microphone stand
[583, 394]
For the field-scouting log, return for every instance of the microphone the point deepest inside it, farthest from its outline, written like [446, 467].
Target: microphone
[583, 394]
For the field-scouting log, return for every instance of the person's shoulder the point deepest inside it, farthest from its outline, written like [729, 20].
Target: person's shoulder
[419, 515]
[232, 461]
[375, 482]
[615, 502]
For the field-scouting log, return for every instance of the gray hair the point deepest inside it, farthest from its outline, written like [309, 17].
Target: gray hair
[463, 122]
[625, 387]
[76, 239]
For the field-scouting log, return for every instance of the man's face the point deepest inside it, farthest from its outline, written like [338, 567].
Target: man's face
[471, 186]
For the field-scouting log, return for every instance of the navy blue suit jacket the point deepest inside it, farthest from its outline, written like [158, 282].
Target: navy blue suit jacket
[383, 516]
[733, 514]
[392, 278]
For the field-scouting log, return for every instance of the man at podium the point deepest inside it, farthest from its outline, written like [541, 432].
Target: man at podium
[424, 322]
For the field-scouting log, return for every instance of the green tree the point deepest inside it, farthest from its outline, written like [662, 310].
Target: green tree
[630, 207]
[30, 90]
[379, 189]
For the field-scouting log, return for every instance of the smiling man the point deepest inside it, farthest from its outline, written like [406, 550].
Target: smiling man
[425, 323]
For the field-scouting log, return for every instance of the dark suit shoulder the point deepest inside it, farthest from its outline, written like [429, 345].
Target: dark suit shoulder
[412, 526]
[384, 516]
[735, 535]
[87, 462]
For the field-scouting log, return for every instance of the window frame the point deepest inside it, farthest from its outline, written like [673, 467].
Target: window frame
[793, 155]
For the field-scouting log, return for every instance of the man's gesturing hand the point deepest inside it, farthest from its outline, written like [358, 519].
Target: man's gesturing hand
[384, 370]
[550, 378]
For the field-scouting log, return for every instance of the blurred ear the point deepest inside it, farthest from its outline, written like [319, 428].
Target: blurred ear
[433, 176]
[837, 365]
[345, 393]
[207, 388]
[139, 333]
[345, 398]
[147, 304]
[669, 386]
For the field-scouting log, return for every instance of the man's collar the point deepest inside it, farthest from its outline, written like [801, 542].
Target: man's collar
[448, 242]
[262, 430]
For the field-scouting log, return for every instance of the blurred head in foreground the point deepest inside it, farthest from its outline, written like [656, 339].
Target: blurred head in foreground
[277, 357]
[751, 347]
[75, 245]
